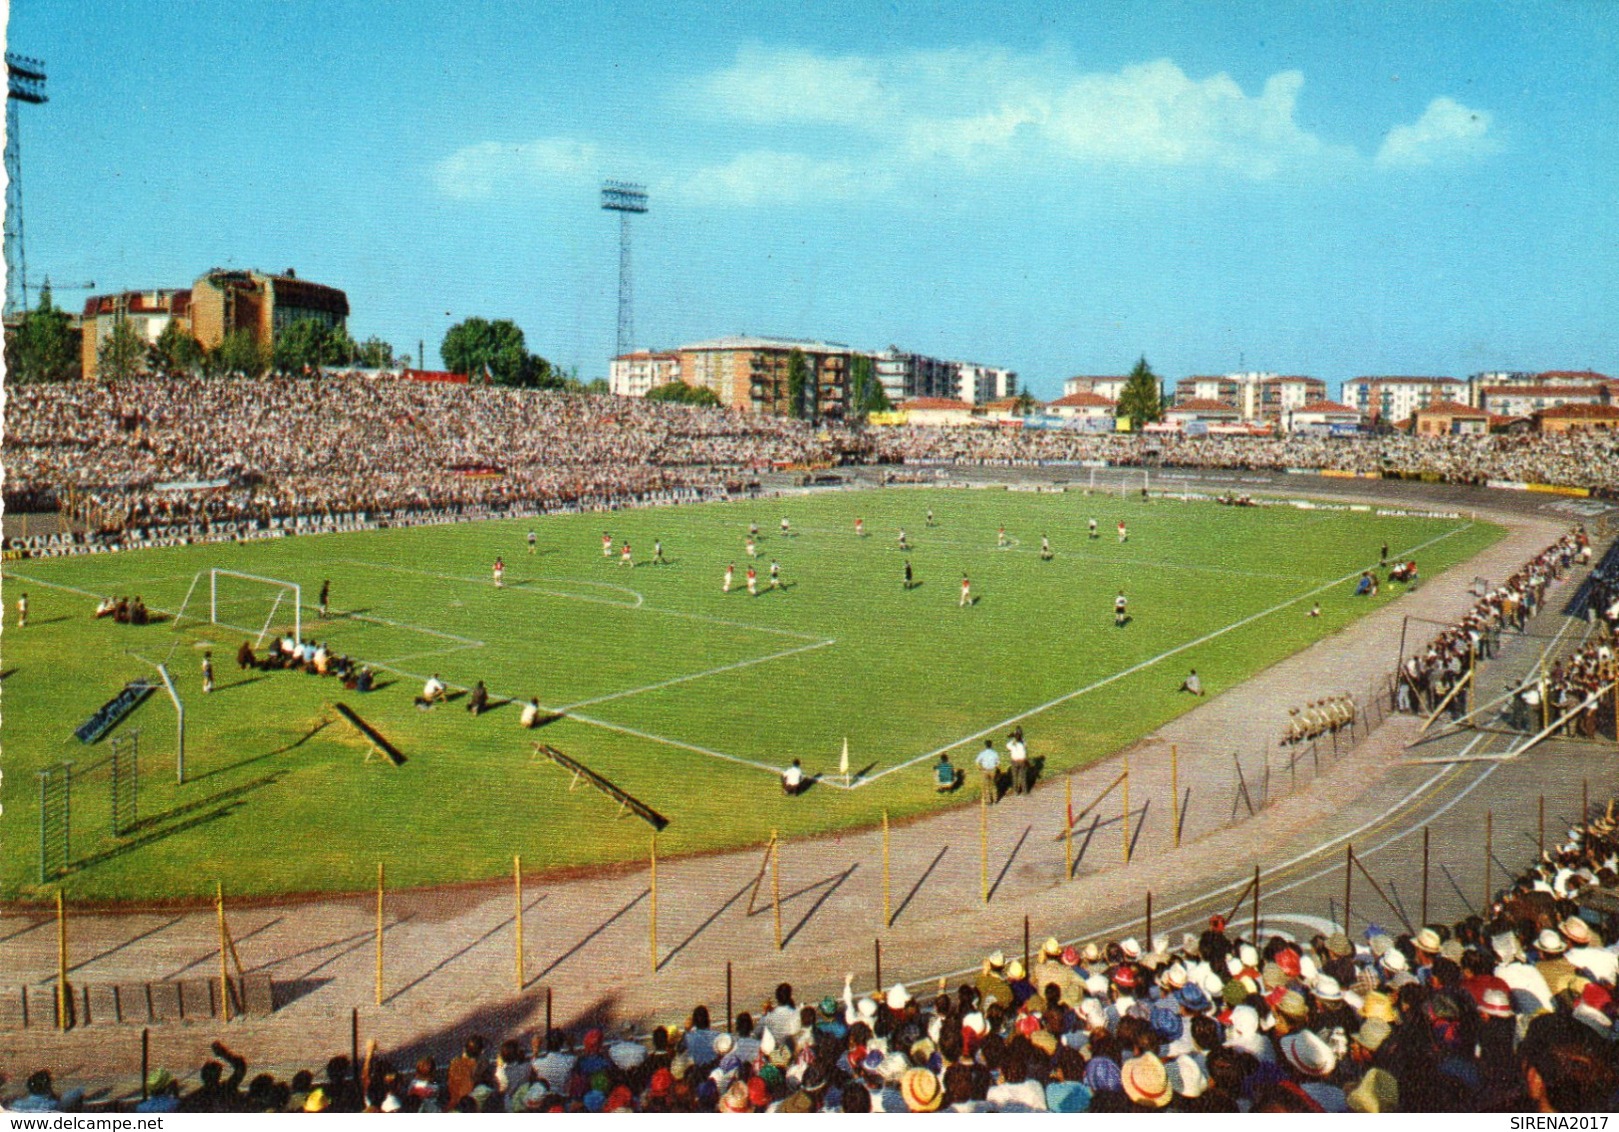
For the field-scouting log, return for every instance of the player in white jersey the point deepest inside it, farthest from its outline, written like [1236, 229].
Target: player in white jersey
[1119, 614]
[657, 553]
[786, 527]
[903, 545]
[730, 572]
[500, 573]
[1045, 548]
[775, 574]
[930, 517]
[753, 548]
[607, 545]
[966, 592]
[531, 549]
[1093, 529]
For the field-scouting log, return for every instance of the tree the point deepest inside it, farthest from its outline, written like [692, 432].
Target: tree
[679, 393]
[798, 380]
[42, 345]
[374, 353]
[1139, 399]
[1025, 404]
[240, 353]
[866, 393]
[123, 354]
[175, 353]
[495, 352]
[308, 345]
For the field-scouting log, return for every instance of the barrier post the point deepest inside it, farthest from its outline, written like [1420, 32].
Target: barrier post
[1175, 790]
[1489, 833]
[1149, 920]
[877, 962]
[146, 1060]
[548, 1015]
[888, 916]
[224, 952]
[775, 883]
[1256, 905]
[1026, 966]
[354, 1035]
[1349, 881]
[1124, 817]
[1585, 783]
[63, 998]
[983, 847]
[379, 933]
[1068, 828]
[517, 889]
[652, 918]
[1541, 842]
[730, 1014]
[1424, 876]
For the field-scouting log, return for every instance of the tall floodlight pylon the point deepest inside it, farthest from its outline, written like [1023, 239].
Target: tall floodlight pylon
[626, 200]
[25, 82]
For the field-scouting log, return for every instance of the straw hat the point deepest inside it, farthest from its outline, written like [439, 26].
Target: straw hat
[1146, 1081]
[921, 1091]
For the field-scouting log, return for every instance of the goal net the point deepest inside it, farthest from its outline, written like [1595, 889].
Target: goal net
[248, 603]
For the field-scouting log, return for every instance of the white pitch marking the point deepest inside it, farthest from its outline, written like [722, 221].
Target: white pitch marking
[698, 675]
[1134, 668]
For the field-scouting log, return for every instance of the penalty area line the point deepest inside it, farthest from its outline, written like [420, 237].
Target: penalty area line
[749, 663]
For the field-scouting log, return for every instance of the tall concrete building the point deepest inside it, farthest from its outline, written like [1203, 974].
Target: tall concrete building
[217, 303]
[752, 373]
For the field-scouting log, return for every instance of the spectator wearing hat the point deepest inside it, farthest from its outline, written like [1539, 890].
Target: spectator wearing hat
[1586, 953]
[1146, 1082]
[1553, 965]
[1310, 1062]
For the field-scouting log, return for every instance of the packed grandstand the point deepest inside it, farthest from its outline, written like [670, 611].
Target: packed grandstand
[1509, 1011]
[173, 458]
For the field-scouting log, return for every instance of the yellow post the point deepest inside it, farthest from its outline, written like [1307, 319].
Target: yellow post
[1175, 790]
[517, 887]
[1068, 828]
[652, 921]
[1124, 817]
[224, 951]
[61, 962]
[983, 846]
[379, 933]
[888, 916]
[775, 883]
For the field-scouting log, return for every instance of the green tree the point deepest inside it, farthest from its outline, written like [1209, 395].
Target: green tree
[240, 354]
[1139, 399]
[175, 353]
[374, 353]
[123, 354]
[42, 346]
[866, 393]
[495, 352]
[798, 380]
[1026, 403]
[308, 345]
[679, 393]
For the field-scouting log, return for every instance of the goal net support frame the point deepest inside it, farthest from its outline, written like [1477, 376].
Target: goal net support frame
[281, 585]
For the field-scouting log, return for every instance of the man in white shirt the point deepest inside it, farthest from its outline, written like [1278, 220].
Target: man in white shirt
[531, 714]
[792, 779]
[989, 765]
[1018, 755]
[432, 692]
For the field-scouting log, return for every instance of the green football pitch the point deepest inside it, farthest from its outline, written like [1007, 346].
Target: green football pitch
[688, 698]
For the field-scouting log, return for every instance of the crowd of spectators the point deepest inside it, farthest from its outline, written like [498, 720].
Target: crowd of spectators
[148, 453]
[1511, 1010]
[1588, 459]
[1429, 674]
[121, 453]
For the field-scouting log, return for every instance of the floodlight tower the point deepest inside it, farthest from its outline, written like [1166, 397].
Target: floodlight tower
[25, 82]
[626, 200]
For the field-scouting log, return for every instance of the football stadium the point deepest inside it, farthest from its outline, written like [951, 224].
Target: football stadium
[604, 558]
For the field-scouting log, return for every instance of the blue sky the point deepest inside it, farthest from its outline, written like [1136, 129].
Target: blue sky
[1326, 188]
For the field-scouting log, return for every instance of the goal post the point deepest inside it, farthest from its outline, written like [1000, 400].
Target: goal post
[285, 591]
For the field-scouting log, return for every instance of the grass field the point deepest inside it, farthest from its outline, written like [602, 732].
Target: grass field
[689, 698]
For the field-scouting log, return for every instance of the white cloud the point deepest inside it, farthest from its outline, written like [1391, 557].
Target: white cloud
[794, 126]
[479, 171]
[768, 177]
[1447, 131]
[796, 86]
